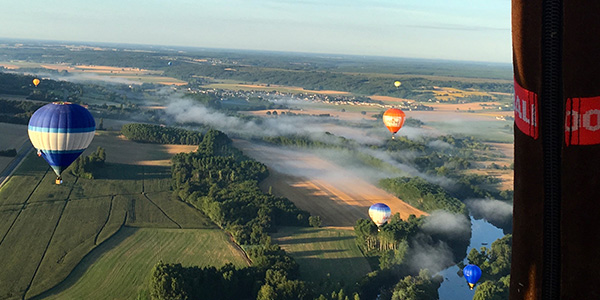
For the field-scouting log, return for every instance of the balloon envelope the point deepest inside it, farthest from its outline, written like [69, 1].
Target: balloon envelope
[397, 83]
[472, 273]
[393, 119]
[61, 131]
[380, 213]
[36, 82]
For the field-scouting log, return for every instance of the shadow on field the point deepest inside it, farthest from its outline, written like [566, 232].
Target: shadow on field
[311, 240]
[132, 172]
[320, 270]
[123, 233]
[306, 253]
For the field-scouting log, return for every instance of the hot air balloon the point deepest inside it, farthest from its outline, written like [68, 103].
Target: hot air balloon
[61, 131]
[36, 82]
[397, 83]
[169, 63]
[472, 273]
[380, 213]
[393, 119]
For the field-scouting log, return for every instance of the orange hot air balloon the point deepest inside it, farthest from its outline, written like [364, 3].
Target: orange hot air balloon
[36, 82]
[393, 119]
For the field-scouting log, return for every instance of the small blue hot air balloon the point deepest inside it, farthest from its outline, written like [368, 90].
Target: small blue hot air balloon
[472, 273]
[380, 213]
[61, 131]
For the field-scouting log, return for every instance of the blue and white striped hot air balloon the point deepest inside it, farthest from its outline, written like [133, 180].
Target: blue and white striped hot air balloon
[380, 213]
[61, 131]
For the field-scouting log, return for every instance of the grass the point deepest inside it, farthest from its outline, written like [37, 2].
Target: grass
[24, 245]
[323, 253]
[121, 267]
[49, 231]
[24, 180]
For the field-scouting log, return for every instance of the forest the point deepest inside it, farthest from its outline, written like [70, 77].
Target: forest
[495, 267]
[156, 134]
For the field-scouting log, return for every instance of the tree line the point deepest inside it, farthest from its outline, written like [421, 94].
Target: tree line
[395, 245]
[88, 166]
[9, 152]
[157, 134]
[17, 112]
[422, 194]
[495, 269]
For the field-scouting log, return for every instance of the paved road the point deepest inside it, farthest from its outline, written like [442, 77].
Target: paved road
[21, 153]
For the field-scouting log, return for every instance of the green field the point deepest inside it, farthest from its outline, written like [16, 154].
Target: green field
[51, 234]
[323, 253]
[120, 268]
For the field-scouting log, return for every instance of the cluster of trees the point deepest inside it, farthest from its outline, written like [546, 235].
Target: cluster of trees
[308, 142]
[422, 194]
[393, 235]
[223, 183]
[495, 269]
[87, 166]
[17, 112]
[397, 243]
[421, 287]
[157, 134]
[13, 84]
[273, 275]
[9, 152]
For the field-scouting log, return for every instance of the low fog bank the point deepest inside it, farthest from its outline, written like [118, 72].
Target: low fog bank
[498, 213]
[448, 224]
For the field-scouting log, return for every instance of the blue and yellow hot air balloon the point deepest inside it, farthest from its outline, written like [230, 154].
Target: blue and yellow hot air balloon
[61, 131]
[472, 274]
[380, 213]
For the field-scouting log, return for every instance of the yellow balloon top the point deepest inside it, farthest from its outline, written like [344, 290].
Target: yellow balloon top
[397, 83]
[36, 82]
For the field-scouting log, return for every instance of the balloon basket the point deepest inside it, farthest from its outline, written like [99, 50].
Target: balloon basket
[58, 180]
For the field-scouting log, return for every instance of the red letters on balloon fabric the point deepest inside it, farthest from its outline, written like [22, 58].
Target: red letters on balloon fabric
[526, 111]
[582, 121]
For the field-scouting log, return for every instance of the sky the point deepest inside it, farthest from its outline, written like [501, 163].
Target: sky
[471, 30]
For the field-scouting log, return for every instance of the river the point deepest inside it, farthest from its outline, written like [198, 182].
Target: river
[483, 234]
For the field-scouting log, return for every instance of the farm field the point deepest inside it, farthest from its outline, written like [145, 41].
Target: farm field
[47, 229]
[236, 85]
[323, 253]
[120, 268]
[101, 73]
[321, 187]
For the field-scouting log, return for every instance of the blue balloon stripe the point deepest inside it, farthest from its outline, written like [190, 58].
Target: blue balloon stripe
[61, 130]
[59, 162]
